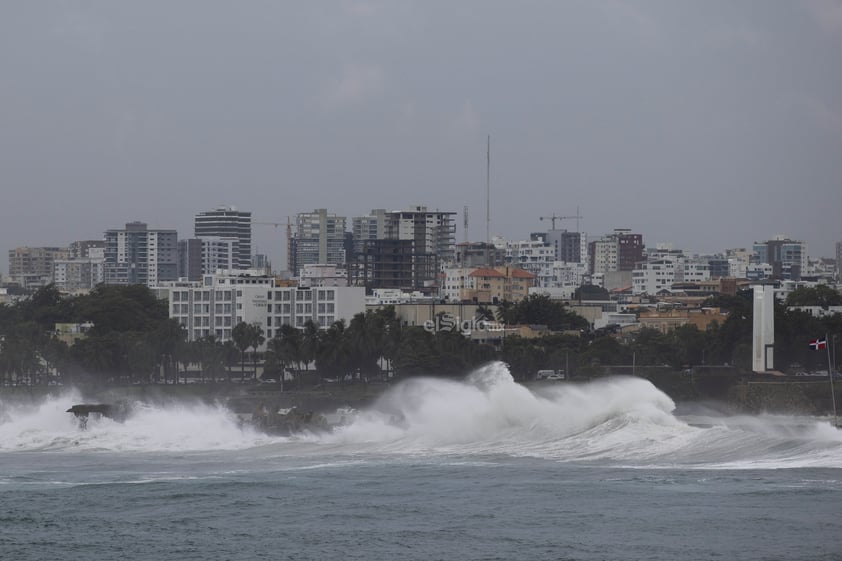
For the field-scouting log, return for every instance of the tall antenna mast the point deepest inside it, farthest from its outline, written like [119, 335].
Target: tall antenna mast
[488, 192]
[465, 224]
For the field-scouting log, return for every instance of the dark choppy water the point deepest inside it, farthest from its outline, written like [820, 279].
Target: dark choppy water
[439, 470]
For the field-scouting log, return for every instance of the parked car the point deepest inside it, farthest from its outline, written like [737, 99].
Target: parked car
[550, 375]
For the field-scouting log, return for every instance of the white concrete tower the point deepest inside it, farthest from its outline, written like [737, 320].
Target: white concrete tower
[763, 332]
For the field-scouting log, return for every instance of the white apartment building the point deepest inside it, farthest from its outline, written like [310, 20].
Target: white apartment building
[218, 303]
[319, 239]
[605, 255]
[656, 275]
[738, 261]
[78, 274]
[534, 256]
[758, 271]
[455, 280]
[562, 274]
[219, 254]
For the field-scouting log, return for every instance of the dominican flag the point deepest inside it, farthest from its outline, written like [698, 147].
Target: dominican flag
[818, 344]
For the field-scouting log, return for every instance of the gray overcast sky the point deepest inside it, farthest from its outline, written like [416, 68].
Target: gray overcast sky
[708, 124]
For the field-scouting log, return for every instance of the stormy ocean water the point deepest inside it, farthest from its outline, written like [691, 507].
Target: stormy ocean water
[436, 469]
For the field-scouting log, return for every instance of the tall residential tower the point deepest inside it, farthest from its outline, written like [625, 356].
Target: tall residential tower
[227, 223]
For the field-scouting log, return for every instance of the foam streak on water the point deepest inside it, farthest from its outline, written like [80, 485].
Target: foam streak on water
[621, 421]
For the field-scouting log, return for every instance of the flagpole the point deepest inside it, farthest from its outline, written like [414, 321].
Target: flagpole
[830, 375]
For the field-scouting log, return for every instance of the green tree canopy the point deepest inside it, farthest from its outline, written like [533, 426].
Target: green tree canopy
[820, 295]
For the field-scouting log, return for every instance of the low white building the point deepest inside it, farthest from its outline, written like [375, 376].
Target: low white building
[654, 276]
[561, 274]
[322, 275]
[394, 296]
[529, 255]
[219, 302]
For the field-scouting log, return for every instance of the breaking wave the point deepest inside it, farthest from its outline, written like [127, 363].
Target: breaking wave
[618, 422]
[182, 428]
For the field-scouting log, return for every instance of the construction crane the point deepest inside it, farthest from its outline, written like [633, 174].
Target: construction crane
[555, 217]
[276, 225]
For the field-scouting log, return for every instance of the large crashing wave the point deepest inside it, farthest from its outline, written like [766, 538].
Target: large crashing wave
[177, 428]
[619, 421]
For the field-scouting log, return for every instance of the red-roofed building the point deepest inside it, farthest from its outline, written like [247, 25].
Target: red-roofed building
[488, 285]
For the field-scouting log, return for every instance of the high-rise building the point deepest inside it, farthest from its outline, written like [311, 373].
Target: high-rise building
[190, 259]
[319, 239]
[226, 222]
[85, 249]
[787, 257]
[80, 273]
[371, 227]
[432, 232]
[567, 245]
[137, 255]
[403, 248]
[619, 251]
[388, 263]
[32, 267]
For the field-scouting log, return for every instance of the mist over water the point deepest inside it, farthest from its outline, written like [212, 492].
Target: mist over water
[614, 422]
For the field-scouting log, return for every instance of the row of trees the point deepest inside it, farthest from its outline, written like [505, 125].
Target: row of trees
[132, 340]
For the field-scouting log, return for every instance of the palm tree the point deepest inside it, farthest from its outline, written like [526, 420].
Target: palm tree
[242, 335]
[274, 361]
[289, 347]
[168, 338]
[230, 356]
[256, 339]
[505, 312]
[211, 357]
[310, 339]
[332, 355]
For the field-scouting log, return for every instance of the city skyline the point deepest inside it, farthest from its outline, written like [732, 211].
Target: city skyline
[645, 246]
[708, 125]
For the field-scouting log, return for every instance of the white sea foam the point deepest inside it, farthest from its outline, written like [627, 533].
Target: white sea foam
[623, 421]
[184, 427]
[619, 421]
